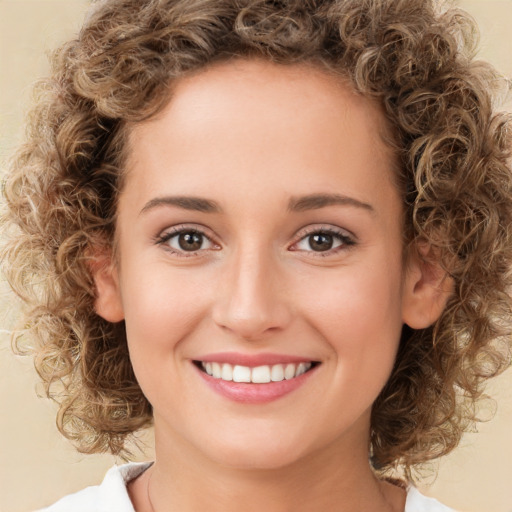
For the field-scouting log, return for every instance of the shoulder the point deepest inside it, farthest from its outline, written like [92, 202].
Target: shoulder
[111, 494]
[416, 502]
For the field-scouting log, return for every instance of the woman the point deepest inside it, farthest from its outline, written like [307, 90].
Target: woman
[278, 231]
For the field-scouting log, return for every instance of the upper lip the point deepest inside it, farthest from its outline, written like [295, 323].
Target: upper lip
[252, 360]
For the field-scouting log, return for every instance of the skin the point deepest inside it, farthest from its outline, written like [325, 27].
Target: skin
[253, 137]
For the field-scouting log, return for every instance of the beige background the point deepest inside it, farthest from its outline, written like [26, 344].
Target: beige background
[36, 465]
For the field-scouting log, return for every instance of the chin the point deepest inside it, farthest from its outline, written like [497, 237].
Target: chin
[269, 452]
[257, 459]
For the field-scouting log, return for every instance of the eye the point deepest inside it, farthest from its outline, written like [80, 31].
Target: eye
[323, 241]
[186, 240]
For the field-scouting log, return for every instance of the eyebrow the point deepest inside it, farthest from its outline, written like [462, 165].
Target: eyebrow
[197, 204]
[296, 204]
[317, 201]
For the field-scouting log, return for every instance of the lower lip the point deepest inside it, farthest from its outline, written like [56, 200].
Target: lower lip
[250, 393]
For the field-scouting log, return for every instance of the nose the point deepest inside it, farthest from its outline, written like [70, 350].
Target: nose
[252, 301]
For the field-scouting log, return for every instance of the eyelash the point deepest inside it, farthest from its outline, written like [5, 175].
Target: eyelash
[164, 238]
[347, 241]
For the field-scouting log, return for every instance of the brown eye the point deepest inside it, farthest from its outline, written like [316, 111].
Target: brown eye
[190, 241]
[321, 242]
[324, 241]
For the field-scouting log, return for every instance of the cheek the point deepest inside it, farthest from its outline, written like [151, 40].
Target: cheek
[358, 313]
[359, 299]
[161, 309]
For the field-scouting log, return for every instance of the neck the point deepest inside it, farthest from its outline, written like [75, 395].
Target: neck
[338, 478]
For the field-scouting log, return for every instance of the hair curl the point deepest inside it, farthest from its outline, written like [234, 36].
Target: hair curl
[453, 147]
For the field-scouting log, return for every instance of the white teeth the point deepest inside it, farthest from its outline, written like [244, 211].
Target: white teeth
[277, 373]
[216, 370]
[241, 374]
[257, 375]
[300, 369]
[227, 372]
[289, 371]
[260, 374]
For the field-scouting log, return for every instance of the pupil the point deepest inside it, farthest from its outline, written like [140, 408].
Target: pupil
[321, 242]
[190, 241]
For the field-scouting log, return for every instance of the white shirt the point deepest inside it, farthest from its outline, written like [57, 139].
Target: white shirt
[112, 496]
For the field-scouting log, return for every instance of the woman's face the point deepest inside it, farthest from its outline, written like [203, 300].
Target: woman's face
[260, 227]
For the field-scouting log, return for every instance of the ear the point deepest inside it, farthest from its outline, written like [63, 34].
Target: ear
[427, 288]
[108, 302]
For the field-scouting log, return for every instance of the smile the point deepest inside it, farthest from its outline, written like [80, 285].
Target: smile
[257, 375]
[254, 378]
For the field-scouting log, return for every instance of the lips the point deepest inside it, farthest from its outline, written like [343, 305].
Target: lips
[254, 378]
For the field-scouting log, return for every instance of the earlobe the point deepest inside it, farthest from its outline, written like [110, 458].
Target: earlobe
[108, 302]
[427, 288]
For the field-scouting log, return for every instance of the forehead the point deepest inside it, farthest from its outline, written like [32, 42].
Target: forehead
[259, 122]
[250, 84]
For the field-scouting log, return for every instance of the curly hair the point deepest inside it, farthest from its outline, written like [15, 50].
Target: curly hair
[415, 59]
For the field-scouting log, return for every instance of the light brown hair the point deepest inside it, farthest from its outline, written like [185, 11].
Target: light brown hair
[412, 58]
